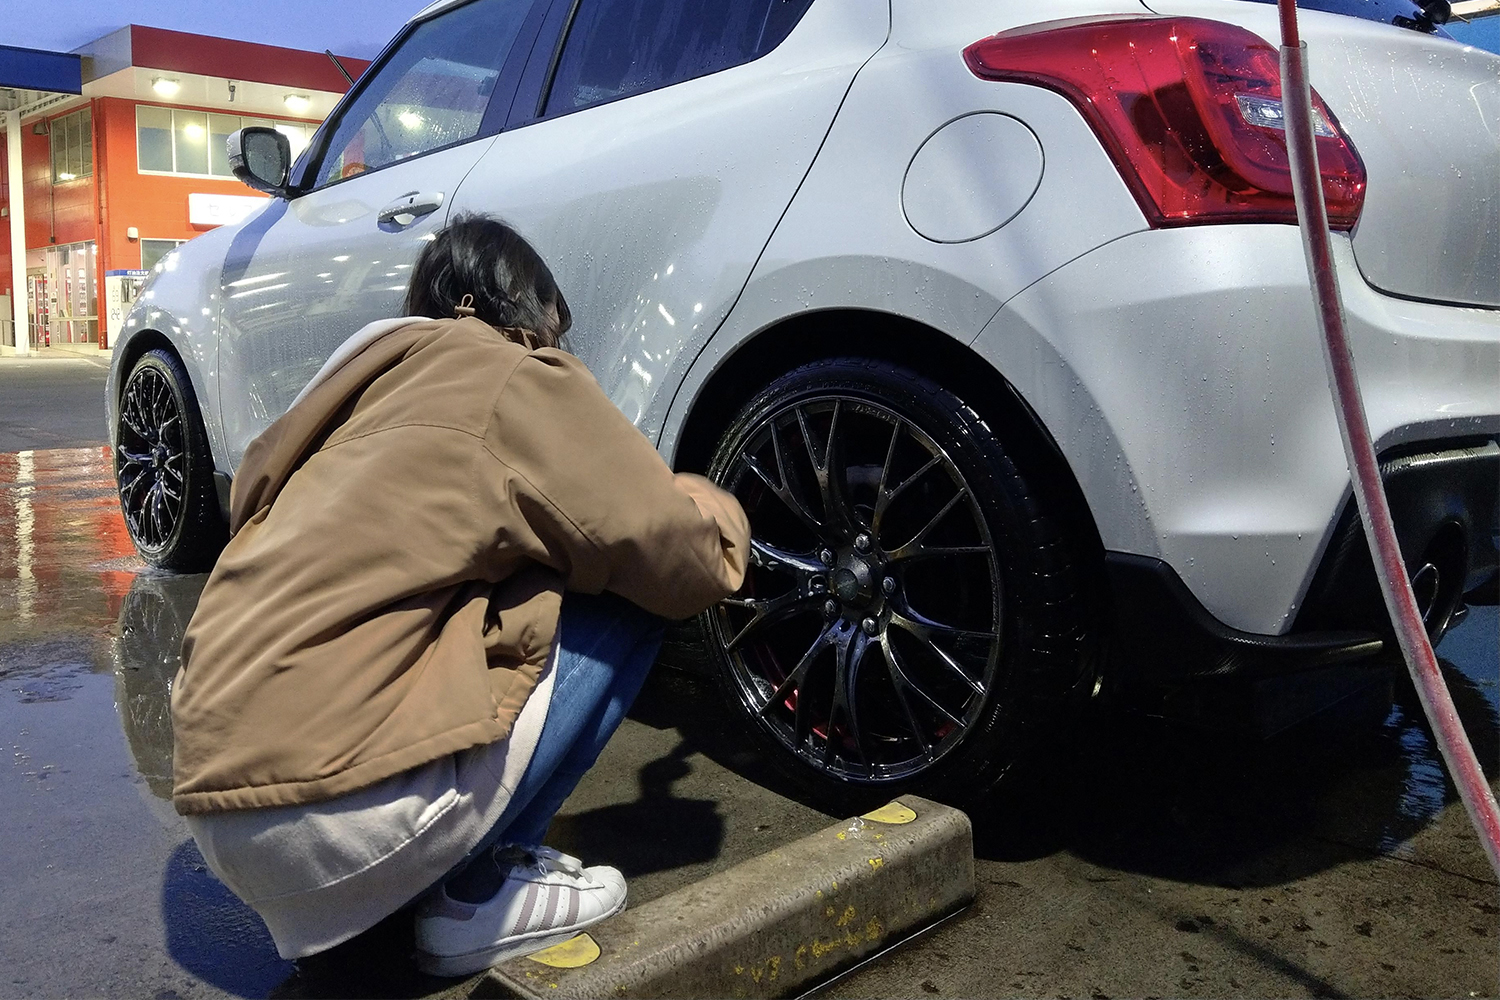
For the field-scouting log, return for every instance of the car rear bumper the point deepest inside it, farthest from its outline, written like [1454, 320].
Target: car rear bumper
[1181, 374]
[1164, 635]
[1444, 507]
[1171, 657]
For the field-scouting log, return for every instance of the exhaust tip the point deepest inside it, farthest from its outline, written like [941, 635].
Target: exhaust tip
[1426, 584]
[1438, 582]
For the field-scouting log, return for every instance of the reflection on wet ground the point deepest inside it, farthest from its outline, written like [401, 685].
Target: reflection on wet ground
[1142, 837]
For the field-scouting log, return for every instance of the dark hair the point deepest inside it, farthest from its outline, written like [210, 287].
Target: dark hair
[481, 256]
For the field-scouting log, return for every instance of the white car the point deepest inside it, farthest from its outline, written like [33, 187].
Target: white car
[996, 319]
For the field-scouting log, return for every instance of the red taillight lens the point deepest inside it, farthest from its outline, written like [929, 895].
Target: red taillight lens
[1189, 109]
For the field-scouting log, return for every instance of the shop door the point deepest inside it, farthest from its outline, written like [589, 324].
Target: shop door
[308, 272]
[38, 307]
[73, 282]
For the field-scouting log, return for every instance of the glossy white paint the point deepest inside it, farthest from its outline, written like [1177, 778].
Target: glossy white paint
[1177, 369]
[180, 302]
[303, 275]
[1181, 373]
[651, 211]
[845, 243]
[971, 177]
[1424, 114]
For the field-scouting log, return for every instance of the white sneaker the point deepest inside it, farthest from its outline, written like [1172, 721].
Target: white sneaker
[544, 897]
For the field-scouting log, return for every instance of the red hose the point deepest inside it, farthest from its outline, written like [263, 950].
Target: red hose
[1369, 491]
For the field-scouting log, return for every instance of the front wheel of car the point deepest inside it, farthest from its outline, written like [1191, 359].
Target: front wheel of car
[915, 616]
[164, 470]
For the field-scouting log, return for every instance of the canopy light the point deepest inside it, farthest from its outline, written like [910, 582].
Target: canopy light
[297, 103]
[165, 87]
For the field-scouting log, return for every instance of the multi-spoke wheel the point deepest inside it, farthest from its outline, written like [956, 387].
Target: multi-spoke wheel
[163, 469]
[910, 611]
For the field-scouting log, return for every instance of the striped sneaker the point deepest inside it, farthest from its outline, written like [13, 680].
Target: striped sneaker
[511, 901]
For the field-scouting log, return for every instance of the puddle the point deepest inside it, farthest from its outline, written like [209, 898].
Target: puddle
[146, 652]
[89, 647]
[99, 867]
[59, 516]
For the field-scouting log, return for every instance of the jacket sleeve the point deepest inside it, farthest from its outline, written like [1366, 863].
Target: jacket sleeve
[601, 501]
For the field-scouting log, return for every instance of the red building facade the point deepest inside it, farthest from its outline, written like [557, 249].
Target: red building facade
[116, 177]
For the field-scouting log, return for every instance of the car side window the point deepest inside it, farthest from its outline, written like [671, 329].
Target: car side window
[616, 48]
[431, 92]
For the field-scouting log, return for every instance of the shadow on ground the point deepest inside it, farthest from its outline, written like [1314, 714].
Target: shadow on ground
[664, 831]
[212, 934]
[1138, 794]
[1129, 793]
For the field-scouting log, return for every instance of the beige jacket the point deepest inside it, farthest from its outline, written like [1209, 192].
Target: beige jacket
[401, 538]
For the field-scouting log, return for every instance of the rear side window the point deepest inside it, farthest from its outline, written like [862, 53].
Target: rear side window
[616, 48]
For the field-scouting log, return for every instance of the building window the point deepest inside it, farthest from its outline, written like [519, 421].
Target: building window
[154, 250]
[72, 146]
[174, 141]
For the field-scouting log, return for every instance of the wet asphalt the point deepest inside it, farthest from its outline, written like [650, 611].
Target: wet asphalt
[1151, 860]
[52, 403]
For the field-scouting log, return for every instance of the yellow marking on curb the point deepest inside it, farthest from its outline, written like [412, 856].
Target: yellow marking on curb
[847, 916]
[892, 813]
[797, 959]
[827, 911]
[876, 862]
[574, 953]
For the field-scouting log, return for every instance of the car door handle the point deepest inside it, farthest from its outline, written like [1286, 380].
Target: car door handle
[410, 207]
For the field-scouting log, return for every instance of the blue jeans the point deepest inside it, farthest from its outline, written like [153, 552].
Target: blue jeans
[605, 646]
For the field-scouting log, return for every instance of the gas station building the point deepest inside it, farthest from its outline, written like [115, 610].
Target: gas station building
[114, 153]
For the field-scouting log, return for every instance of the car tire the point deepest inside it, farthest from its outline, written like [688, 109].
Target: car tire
[164, 470]
[912, 589]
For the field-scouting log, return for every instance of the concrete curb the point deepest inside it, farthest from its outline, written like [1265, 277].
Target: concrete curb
[772, 926]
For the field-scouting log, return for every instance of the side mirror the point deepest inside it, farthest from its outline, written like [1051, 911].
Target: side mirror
[261, 158]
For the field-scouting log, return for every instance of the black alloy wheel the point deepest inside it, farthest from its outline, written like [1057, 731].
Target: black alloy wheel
[163, 468]
[912, 617]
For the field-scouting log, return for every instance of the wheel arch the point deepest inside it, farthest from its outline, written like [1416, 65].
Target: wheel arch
[897, 339]
[131, 351]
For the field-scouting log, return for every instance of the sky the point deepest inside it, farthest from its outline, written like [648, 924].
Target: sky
[349, 27]
[1484, 33]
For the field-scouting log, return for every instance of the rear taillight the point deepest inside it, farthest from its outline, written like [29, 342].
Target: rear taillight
[1189, 110]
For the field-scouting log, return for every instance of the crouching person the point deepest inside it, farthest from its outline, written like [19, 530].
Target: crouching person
[449, 568]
